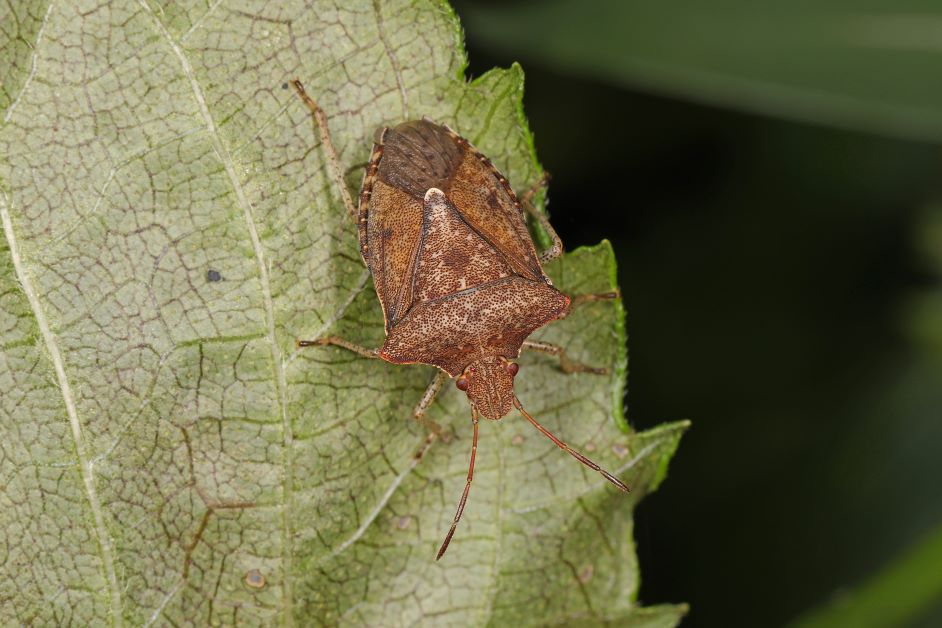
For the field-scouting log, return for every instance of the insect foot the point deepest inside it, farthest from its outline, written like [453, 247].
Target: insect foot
[566, 364]
[582, 299]
[440, 433]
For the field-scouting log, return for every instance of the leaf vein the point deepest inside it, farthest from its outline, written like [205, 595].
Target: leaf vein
[65, 388]
[32, 66]
[225, 157]
[380, 28]
[372, 516]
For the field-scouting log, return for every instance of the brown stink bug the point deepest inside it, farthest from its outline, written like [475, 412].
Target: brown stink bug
[455, 269]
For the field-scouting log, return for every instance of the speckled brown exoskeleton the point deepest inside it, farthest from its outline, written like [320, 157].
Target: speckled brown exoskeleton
[455, 269]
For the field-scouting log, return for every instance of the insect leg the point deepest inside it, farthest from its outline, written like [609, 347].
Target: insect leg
[425, 403]
[579, 299]
[526, 199]
[566, 364]
[339, 342]
[429, 396]
[333, 161]
[569, 450]
[467, 486]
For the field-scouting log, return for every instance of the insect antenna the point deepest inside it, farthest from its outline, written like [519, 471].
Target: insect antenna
[572, 452]
[467, 487]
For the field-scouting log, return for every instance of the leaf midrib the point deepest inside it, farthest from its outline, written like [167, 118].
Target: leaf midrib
[65, 388]
[222, 152]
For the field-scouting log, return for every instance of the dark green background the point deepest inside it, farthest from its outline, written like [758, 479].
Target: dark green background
[779, 277]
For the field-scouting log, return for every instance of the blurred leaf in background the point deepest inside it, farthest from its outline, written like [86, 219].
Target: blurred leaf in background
[898, 595]
[867, 64]
[924, 316]
[773, 249]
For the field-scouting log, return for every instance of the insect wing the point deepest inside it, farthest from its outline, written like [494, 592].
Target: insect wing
[488, 204]
[395, 221]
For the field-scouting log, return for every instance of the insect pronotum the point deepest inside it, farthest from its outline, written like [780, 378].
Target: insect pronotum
[456, 271]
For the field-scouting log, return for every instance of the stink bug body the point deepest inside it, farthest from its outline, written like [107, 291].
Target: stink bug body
[455, 269]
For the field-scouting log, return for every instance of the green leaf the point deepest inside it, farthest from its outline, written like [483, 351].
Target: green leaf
[922, 314]
[168, 455]
[855, 64]
[897, 595]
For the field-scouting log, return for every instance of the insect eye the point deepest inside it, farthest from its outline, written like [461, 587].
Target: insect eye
[462, 383]
[512, 368]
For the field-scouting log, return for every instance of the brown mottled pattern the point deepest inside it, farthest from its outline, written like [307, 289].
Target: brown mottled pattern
[457, 272]
[488, 385]
[453, 256]
[492, 319]
[487, 203]
[366, 190]
[473, 235]
[458, 278]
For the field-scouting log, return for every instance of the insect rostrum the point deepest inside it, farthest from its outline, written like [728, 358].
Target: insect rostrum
[455, 269]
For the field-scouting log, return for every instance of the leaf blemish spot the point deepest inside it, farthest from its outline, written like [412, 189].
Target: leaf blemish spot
[620, 450]
[213, 275]
[517, 439]
[255, 579]
[404, 522]
[586, 573]
[590, 447]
